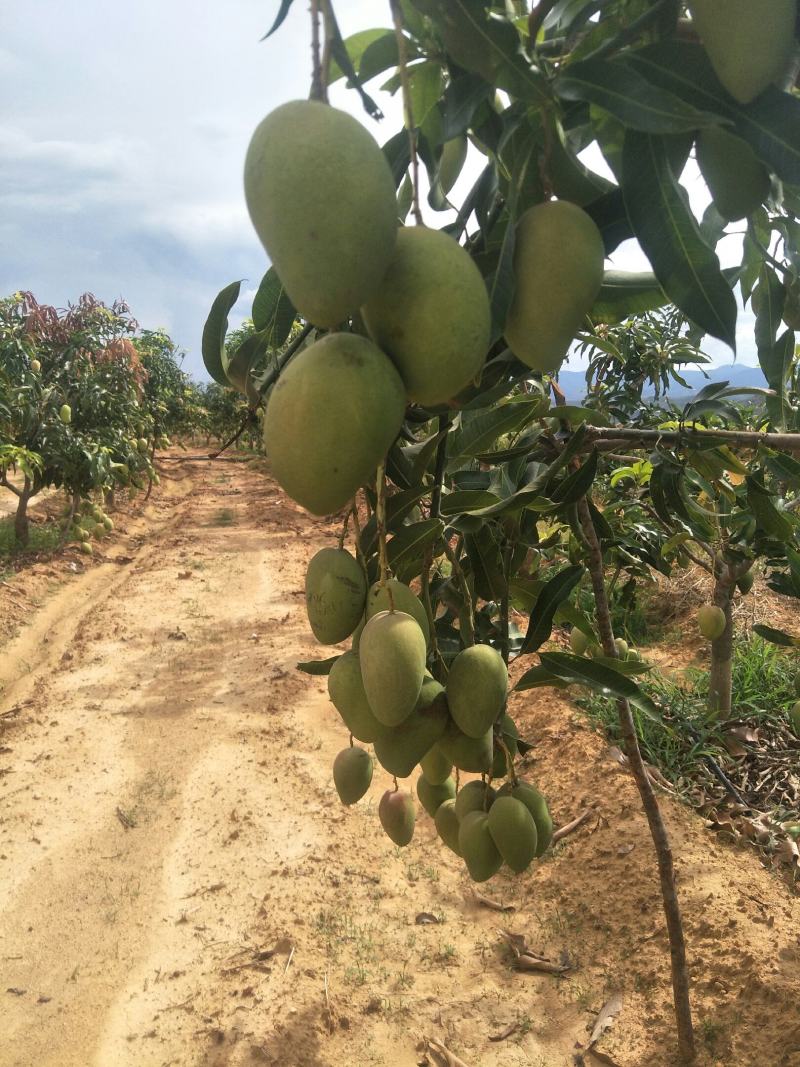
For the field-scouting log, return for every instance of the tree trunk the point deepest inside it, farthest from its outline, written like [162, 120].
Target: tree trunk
[658, 831]
[21, 524]
[720, 679]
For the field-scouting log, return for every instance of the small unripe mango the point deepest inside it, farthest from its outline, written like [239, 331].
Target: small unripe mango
[352, 774]
[474, 796]
[737, 180]
[447, 824]
[477, 685]
[392, 656]
[431, 315]
[558, 264]
[578, 641]
[432, 796]
[397, 596]
[336, 589]
[467, 753]
[476, 845]
[331, 419]
[513, 831]
[435, 766]
[537, 805]
[749, 42]
[346, 690]
[711, 621]
[322, 200]
[400, 748]
[794, 717]
[65, 414]
[398, 815]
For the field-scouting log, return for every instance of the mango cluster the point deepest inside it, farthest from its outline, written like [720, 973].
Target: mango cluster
[407, 307]
[386, 697]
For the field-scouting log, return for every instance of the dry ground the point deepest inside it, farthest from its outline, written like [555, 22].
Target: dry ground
[179, 884]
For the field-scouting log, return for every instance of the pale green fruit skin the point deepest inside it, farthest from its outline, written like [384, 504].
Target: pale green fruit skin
[331, 418]
[65, 414]
[476, 689]
[622, 647]
[402, 599]
[558, 263]
[578, 641]
[749, 42]
[356, 640]
[745, 583]
[400, 748]
[447, 825]
[451, 163]
[86, 548]
[435, 766]
[336, 589]
[431, 315]
[794, 717]
[476, 845]
[737, 180]
[431, 796]
[36, 366]
[467, 753]
[474, 796]
[537, 805]
[392, 656]
[397, 815]
[322, 200]
[711, 621]
[513, 831]
[352, 774]
[797, 684]
[346, 691]
[108, 523]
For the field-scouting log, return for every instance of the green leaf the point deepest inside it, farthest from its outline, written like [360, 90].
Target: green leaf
[625, 293]
[481, 431]
[576, 415]
[608, 681]
[686, 267]
[773, 522]
[215, 329]
[483, 551]
[273, 311]
[318, 667]
[409, 544]
[340, 54]
[621, 90]
[467, 500]
[380, 54]
[283, 11]
[462, 97]
[776, 637]
[425, 81]
[539, 676]
[554, 592]
[578, 483]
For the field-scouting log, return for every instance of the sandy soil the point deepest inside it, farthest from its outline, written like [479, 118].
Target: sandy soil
[179, 884]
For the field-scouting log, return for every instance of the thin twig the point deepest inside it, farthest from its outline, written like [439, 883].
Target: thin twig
[402, 61]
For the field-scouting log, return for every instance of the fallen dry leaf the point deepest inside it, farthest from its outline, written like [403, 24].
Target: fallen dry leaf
[427, 918]
[443, 1054]
[505, 1033]
[608, 1014]
[486, 902]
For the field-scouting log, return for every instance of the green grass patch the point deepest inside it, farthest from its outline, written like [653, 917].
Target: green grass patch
[44, 537]
[686, 733]
[636, 613]
[224, 517]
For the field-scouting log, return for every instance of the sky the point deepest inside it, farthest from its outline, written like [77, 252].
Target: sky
[122, 143]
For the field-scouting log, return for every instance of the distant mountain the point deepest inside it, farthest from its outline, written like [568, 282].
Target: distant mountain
[737, 374]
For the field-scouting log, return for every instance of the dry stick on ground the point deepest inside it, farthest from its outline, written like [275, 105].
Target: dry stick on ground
[658, 831]
[402, 58]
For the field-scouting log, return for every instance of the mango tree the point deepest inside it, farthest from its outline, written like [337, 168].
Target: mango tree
[420, 397]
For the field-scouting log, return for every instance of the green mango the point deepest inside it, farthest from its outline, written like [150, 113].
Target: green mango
[536, 804]
[400, 748]
[451, 162]
[513, 831]
[392, 656]
[331, 418]
[398, 596]
[510, 737]
[432, 796]
[474, 796]
[578, 641]
[397, 815]
[467, 753]
[794, 717]
[477, 846]
[711, 621]
[558, 264]
[447, 825]
[322, 200]
[336, 589]
[745, 583]
[477, 685]
[737, 180]
[352, 774]
[346, 690]
[356, 639]
[749, 42]
[435, 766]
[431, 315]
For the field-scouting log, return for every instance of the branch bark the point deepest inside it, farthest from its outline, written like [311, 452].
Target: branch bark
[658, 831]
[636, 438]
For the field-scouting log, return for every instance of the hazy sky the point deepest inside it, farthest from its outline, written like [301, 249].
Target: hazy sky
[122, 142]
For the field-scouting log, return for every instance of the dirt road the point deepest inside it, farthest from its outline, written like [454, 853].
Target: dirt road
[179, 884]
